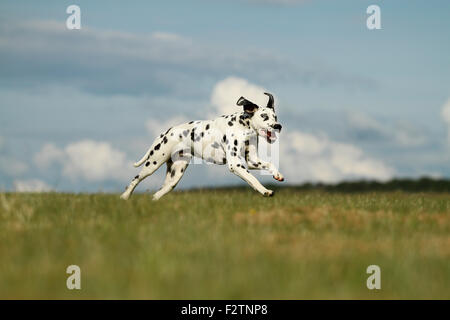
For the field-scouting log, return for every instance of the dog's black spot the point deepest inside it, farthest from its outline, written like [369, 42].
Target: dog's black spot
[224, 138]
[161, 135]
[235, 142]
[202, 134]
[265, 116]
[193, 134]
[165, 140]
[137, 177]
[147, 163]
[182, 169]
[234, 149]
[233, 118]
[167, 131]
[185, 133]
[224, 160]
[191, 122]
[207, 127]
[154, 162]
[247, 142]
[180, 136]
[215, 145]
[171, 134]
[172, 173]
[230, 123]
[233, 154]
[151, 152]
[238, 165]
[157, 146]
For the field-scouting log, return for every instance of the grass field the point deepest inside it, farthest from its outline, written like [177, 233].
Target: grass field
[226, 244]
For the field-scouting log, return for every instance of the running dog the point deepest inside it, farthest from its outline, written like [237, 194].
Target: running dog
[230, 139]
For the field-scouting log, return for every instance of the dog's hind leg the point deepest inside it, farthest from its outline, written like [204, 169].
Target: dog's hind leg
[149, 168]
[175, 171]
[159, 152]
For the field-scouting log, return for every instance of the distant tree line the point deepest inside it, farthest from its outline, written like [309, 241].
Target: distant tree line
[424, 184]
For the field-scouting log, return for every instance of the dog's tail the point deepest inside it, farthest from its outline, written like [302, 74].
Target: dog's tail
[143, 159]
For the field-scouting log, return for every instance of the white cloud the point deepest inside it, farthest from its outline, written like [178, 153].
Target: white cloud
[445, 113]
[48, 155]
[408, 135]
[361, 121]
[165, 36]
[86, 159]
[226, 93]
[306, 157]
[31, 185]
[307, 144]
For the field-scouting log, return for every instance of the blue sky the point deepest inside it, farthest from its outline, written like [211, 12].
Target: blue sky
[78, 106]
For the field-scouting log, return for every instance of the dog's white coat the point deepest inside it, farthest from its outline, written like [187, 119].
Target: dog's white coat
[230, 140]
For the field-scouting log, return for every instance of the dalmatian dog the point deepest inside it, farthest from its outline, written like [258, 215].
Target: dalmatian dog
[230, 139]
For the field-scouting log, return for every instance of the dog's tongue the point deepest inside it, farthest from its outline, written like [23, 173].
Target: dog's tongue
[269, 133]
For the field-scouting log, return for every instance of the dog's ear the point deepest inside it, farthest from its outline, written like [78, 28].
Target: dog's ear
[271, 101]
[249, 106]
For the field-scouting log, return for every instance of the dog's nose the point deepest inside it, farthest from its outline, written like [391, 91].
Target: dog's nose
[277, 127]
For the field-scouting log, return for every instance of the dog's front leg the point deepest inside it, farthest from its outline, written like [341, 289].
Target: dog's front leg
[254, 162]
[263, 165]
[237, 167]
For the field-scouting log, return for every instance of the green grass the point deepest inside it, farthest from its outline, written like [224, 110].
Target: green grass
[226, 244]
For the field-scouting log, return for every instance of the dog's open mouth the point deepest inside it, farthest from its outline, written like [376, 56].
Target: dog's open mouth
[269, 134]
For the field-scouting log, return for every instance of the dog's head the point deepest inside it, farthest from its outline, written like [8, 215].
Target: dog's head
[262, 119]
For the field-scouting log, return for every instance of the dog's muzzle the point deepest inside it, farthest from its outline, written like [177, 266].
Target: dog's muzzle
[271, 134]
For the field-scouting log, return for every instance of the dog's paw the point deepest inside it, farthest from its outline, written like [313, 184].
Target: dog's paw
[278, 177]
[156, 197]
[269, 193]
